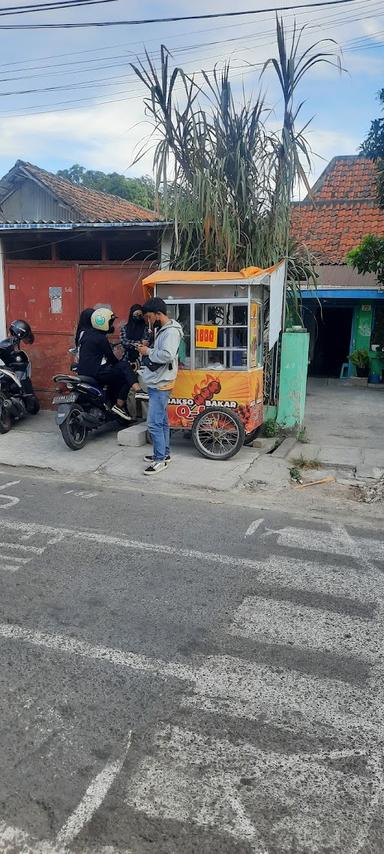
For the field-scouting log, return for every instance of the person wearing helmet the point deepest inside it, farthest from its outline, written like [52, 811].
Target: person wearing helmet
[94, 348]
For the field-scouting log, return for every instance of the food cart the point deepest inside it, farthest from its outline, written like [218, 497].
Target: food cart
[218, 394]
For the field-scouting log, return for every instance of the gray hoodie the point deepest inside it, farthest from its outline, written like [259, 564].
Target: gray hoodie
[159, 366]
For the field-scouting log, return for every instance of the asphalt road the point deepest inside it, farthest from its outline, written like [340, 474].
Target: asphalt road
[180, 677]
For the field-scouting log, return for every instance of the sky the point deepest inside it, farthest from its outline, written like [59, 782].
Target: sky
[88, 107]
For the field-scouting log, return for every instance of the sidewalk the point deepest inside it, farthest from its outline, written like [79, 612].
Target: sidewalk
[345, 432]
[37, 442]
[345, 428]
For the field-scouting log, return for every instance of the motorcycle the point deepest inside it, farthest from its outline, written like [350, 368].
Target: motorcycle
[83, 407]
[17, 397]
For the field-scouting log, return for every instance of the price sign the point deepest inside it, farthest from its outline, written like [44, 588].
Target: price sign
[207, 337]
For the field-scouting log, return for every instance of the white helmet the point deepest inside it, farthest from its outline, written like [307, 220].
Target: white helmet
[102, 319]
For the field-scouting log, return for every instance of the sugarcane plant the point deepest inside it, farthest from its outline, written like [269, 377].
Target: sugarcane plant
[222, 174]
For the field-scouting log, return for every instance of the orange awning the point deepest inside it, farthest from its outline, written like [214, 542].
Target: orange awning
[180, 276]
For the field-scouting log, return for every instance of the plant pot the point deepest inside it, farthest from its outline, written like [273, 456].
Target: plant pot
[362, 372]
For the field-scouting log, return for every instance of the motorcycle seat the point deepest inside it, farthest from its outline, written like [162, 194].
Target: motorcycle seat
[74, 378]
[89, 380]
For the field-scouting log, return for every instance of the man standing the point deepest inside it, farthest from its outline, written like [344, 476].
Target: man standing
[159, 371]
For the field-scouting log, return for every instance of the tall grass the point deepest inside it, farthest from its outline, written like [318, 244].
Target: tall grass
[226, 178]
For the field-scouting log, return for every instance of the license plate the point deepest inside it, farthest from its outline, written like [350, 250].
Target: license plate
[64, 398]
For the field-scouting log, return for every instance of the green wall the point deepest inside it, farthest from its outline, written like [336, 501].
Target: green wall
[293, 378]
[362, 326]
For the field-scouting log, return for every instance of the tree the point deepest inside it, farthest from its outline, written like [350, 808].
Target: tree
[140, 191]
[229, 175]
[373, 147]
[368, 257]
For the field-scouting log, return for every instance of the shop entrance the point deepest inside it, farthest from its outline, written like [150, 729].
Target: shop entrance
[332, 340]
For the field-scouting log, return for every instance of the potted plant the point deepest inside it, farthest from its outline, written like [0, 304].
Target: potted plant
[360, 360]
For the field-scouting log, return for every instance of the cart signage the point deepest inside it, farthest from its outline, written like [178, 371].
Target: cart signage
[207, 337]
[197, 391]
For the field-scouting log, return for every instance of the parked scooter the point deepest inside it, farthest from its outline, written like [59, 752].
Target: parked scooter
[82, 407]
[17, 398]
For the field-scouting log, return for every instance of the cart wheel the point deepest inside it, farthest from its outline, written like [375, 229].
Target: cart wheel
[218, 434]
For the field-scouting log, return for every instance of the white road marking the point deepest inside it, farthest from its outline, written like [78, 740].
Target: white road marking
[331, 580]
[281, 622]
[218, 784]
[183, 782]
[21, 548]
[12, 563]
[58, 534]
[92, 799]
[290, 537]
[285, 699]
[7, 501]
[10, 483]
[331, 542]
[117, 657]
[253, 527]
[81, 494]
[243, 689]
[14, 839]
[8, 567]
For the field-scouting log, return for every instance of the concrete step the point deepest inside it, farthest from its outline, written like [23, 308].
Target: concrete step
[133, 437]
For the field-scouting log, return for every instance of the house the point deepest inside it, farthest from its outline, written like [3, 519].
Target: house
[62, 248]
[347, 308]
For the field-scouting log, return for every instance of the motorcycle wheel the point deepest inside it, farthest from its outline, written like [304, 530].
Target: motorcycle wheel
[74, 431]
[5, 418]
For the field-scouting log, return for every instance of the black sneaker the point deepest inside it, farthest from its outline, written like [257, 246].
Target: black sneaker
[156, 467]
[121, 413]
[149, 458]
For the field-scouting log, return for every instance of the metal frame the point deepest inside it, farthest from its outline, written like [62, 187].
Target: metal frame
[245, 301]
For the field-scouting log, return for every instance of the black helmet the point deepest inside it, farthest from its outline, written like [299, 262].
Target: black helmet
[22, 330]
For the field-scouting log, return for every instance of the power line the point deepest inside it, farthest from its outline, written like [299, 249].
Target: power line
[128, 76]
[205, 30]
[252, 39]
[175, 50]
[92, 102]
[55, 5]
[174, 19]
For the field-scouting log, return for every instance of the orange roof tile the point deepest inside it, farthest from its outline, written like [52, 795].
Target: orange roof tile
[342, 210]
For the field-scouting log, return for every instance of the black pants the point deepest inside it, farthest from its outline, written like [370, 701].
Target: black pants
[118, 378]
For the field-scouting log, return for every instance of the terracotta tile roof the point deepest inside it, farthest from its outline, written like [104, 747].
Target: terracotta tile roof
[343, 209]
[88, 205]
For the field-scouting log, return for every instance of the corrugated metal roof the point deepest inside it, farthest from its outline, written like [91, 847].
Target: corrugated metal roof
[91, 206]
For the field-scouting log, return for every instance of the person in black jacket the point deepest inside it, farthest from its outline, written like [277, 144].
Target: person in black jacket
[134, 330]
[83, 324]
[94, 348]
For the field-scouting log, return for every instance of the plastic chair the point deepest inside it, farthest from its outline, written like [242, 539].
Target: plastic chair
[344, 373]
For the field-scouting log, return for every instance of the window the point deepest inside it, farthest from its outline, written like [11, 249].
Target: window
[182, 313]
[231, 347]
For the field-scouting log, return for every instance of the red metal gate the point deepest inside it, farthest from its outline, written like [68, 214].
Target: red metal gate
[50, 295]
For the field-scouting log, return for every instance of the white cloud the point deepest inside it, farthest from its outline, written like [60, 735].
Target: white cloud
[104, 137]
